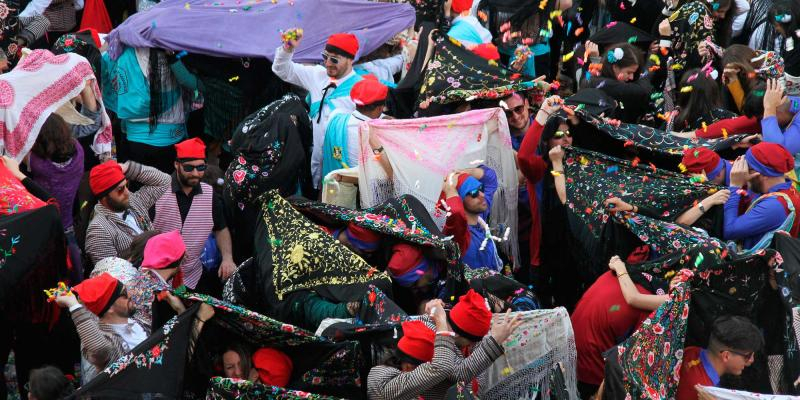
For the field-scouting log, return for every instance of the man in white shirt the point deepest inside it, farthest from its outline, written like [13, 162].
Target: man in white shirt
[328, 85]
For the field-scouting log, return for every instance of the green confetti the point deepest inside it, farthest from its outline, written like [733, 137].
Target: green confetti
[614, 308]
[632, 39]
[699, 260]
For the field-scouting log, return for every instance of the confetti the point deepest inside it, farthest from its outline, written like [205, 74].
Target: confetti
[186, 6]
[567, 56]
[633, 39]
[686, 89]
[233, 79]
[724, 133]
[476, 162]
[578, 31]
[633, 20]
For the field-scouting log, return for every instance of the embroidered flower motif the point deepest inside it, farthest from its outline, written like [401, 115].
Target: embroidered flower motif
[238, 176]
[3, 11]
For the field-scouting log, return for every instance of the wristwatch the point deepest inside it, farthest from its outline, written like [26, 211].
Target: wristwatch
[701, 207]
[377, 151]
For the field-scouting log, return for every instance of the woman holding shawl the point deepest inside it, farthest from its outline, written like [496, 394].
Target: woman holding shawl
[694, 22]
[617, 79]
[547, 196]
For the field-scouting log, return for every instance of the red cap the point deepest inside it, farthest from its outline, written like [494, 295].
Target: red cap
[105, 176]
[487, 51]
[461, 5]
[699, 160]
[773, 156]
[191, 149]
[405, 257]
[417, 341]
[471, 315]
[368, 91]
[97, 293]
[274, 367]
[345, 43]
[163, 250]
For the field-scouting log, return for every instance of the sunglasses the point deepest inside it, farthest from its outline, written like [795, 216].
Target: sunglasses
[121, 189]
[333, 60]
[475, 192]
[190, 168]
[747, 356]
[561, 134]
[516, 110]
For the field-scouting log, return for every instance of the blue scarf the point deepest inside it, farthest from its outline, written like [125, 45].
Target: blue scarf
[334, 148]
[342, 90]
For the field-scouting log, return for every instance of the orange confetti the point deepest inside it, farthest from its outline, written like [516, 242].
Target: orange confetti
[724, 133]
[628, 143]
[635, 162]
[664, 51]
[653, 167]
[578, 31]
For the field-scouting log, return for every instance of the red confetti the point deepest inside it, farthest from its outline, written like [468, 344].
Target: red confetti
[653, 167]
[628, 143]
[635, 162]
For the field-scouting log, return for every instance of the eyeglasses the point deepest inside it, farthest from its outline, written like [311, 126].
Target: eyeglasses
[334, 60]
[190, 168]
[561, 134]
[516, 110]
[747, 356]
[475, 192]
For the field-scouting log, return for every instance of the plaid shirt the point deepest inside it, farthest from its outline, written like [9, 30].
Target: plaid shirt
[107, 234]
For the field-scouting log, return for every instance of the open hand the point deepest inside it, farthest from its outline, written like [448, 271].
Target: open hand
[740, 173]
[502, 330]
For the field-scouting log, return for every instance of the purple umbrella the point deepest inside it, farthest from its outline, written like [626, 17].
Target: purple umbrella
[251, 28]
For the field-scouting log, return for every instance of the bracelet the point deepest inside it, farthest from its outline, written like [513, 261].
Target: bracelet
[556, 173]
[201, 320]
[446, 333]
[621, 275]
[701, 207]
[377, 151]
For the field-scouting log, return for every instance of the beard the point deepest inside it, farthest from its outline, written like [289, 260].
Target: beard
[188, 182]
[118, 206]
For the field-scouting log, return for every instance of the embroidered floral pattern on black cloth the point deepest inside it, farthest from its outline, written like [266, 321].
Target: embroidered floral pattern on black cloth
[238, 389]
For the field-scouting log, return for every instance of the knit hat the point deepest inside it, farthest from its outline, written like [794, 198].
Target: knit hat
[105, 177]
[417, 341]
[487, 51]
[769, 159]
[274, 367]
[191, 149]
[99, 293]
[362, 238]
[344, 44]
[471, 317]
[163, 249]
[461, 5]
[702, 160]
[368, 91]
[407, 264]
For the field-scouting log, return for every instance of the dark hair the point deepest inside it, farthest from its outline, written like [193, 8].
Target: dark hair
[725, 27]
[631, 56]
[698, 102]
[549, 129]
[160, 101]
[55, 140]
[372, 107]
[735, 333]
[788, 7]
[135, 252]
[753, 106]
[245, 356]
[49, 383]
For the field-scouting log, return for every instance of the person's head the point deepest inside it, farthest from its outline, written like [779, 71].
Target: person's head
[704, 163]
[135, 252]
[739, 57]
[164, 254]
[274, 367]
[472, 194]
[360, 240]
[236, 362]
[698, 101]
[722, 12]
[517, 112]
[369, 96]
[416, 345]
[55, 140]
[734, 341]
[48, 383]
[105, 296]
[556, 132]
[470, 318]
[108, 184]
[784, 15]
[621, 62]
[190, 164]
[409, 267]
[771, 162]
[340, 51]
[461, 6]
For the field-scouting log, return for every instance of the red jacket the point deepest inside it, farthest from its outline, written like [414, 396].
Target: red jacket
[733, 126]
[533, 167]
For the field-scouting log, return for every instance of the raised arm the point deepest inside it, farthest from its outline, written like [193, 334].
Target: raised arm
[155, 182]
[631, 294]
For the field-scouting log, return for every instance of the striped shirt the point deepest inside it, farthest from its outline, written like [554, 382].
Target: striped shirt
[100, 344]
[389, 383]
[107, 234]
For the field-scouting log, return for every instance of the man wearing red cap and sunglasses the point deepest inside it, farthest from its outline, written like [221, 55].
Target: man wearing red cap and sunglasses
[328, 85]
[192, 208]
[121, 214]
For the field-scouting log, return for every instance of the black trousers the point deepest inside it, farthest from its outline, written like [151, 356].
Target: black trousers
[161, 158]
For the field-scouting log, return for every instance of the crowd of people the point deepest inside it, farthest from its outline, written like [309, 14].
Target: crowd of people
[457, 176]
